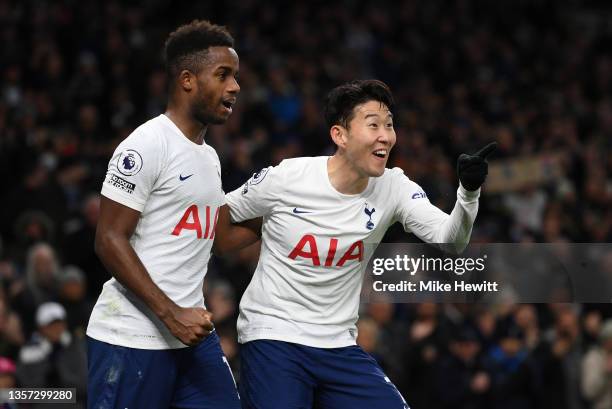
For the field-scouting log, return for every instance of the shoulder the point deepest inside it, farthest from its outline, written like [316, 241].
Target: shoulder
[394, 173]
[147, 145]
[396, 177]
[300, 169]
[397, 184]
[301, 162]
[149, 135]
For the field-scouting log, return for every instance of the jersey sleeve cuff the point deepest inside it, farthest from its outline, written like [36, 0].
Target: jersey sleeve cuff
[466, 195]
[121, 199]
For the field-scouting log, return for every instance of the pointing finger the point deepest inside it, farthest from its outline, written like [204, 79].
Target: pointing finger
[487, 150]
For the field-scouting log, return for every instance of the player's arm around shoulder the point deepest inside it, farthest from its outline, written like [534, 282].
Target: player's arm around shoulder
[231, 237]
[240, 219]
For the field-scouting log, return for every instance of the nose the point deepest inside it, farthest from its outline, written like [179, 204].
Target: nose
[234, 87]
[384, 136]
[387, 136]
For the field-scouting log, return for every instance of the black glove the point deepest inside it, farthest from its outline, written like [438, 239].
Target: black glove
[472, 169]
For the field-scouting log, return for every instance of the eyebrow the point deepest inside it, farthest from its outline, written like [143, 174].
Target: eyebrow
[389, 114]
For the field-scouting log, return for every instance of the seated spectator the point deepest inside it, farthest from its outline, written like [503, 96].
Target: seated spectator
[597, 370]
[53, 357]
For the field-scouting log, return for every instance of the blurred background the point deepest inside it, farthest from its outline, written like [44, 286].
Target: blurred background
[76, 77]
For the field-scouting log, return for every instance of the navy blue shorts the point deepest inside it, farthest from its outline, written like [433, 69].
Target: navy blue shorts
[192, 377]
[282, 375]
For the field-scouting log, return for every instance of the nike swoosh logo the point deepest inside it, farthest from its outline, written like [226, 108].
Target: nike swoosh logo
[181, 178]
[296, 211]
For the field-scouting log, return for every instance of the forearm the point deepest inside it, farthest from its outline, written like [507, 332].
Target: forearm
[451, 232]
[231, 237]
[120, 259]
[456, 230]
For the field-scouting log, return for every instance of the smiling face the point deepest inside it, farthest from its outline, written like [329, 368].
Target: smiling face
[368, 138]
[216, 86]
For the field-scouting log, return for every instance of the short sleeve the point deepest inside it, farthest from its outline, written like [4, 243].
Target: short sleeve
[134, 169]
[257, 196]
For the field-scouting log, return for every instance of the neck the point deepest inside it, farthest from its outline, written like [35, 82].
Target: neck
[344, 177]
[192, 129]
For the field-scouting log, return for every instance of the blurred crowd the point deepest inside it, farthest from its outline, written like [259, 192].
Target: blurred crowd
[536, 76]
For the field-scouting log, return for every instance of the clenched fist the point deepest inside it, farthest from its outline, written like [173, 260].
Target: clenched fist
[190, 325]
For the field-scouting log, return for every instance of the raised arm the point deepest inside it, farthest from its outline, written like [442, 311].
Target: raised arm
[450, 231]
[115, 227]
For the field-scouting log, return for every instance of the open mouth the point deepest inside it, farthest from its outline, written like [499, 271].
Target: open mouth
[380, 153]
[228, 104]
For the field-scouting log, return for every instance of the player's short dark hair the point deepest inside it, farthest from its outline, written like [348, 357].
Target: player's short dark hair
[188, 45]
[342, 100]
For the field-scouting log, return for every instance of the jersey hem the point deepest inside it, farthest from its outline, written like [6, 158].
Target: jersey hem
[306, 341]
[131, 344]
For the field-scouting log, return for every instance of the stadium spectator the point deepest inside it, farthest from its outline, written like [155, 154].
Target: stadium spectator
[514, 376]
[426, 343]
[560, 357]
[461, 378]
[7, 380]
[7, 373]
[53, 357]
[42, 271]
[525, 317]
[534, 75]
[597, 370]
[78, 249]
[11, 333]
[72, 289]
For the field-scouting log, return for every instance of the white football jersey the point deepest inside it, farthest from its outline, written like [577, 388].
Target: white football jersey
[176, 185]
[316, 243]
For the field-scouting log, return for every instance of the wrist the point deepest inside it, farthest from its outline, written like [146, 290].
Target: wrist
[468, 194]
[166, 311]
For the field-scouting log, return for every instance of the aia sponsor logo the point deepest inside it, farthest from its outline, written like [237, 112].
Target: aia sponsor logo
[307, 248]
[191, 221]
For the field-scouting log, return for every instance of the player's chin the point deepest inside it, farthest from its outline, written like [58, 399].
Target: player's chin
[220, 118]
[377, 168]
[376, 171]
